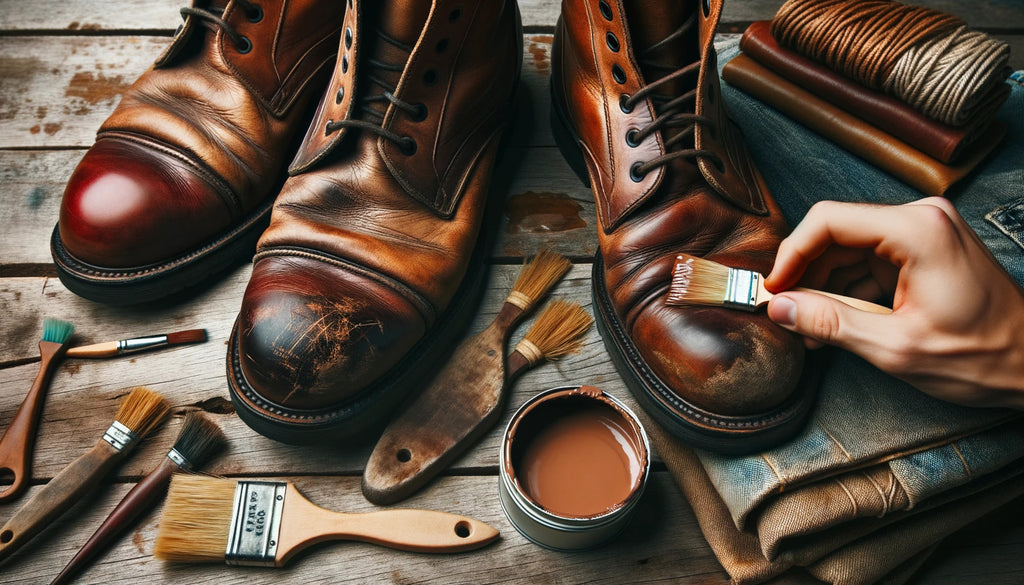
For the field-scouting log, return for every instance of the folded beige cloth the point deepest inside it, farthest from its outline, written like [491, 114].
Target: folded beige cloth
[859, 551]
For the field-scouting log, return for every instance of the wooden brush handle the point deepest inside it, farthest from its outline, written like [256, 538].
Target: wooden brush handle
[18, 441]
[851, 301]
[96, 350]
[53, 499]
[150, 490]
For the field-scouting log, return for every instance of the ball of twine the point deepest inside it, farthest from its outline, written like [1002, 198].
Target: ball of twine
[926, 58]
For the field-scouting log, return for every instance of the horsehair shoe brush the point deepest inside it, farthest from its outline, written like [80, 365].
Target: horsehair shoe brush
[139, 413]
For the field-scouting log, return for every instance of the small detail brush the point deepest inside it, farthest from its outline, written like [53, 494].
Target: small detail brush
[19, 439]
[139, 413]
[266, 523]
[696, 281]
[198, 441]
[126, 346]
[462, 403]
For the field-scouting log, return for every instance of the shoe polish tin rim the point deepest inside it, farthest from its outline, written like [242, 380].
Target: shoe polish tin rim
[560, 531]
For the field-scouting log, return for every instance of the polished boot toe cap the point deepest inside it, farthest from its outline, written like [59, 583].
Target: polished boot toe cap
[131, 204]
[313, 335]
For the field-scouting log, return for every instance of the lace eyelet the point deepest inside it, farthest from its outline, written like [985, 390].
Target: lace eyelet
[327, 127]
[340, 95]
[633, 137]
[618, 74]
[624, 104]
[407, 146]
[348, 37]
[635, 174]
[344, 63]
[454, 15]
[441, 46]
[255, 15]
[705, 6]
[606, 9]
[612, 41]
[420, 114]
[430, 77]
[245, 46]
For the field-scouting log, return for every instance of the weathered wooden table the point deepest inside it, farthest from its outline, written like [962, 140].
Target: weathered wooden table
[63, 66]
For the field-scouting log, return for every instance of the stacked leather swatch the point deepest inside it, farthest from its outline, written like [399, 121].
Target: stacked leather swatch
[928, 155]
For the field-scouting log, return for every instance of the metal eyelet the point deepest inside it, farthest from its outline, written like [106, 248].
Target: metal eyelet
[454, 15]
[245, 46]
[618, 74]
[635, 174]
[705, 5]
[348, 37]
[344, 63]
[255, 15]
[612, 41]
[420, 114]
[624, 105]
[606, 9]
[340, 95]
[430, 77]
[633, 137]
[407, 146]
[441, 46]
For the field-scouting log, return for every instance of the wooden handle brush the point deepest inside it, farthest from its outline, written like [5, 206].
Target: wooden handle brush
[697, 281]
[266, 523]
[19, 439]
[198, 441]
[108, 349]
[137, 415]
[462, 403]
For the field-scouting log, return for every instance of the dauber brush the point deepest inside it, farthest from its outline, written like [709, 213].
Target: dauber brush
[463, 403]
[698, 281]
[198, 441]
[108, 349]
[265, 523]
[138, 414]
[19, 439]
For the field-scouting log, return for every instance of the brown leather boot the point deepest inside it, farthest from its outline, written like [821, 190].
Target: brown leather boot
[638, 112]
[181, 178]
[373, 256]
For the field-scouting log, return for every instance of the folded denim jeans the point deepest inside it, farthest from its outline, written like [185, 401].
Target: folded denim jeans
[863, 416]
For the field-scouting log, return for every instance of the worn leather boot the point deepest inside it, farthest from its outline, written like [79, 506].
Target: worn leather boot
[374, 252]
[638, 112]
[179, 183]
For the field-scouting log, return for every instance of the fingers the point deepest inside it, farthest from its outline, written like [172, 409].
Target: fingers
[831, 322]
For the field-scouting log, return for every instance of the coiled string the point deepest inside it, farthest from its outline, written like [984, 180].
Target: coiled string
[926, 58]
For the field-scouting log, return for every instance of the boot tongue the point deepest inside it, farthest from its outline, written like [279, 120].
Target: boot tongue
[401, 22]
[650, 23]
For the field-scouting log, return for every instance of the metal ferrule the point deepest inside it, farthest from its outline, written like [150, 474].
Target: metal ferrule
[179, 460]
[255, 523]
[741, 289]
[119, 436]
[140, 343]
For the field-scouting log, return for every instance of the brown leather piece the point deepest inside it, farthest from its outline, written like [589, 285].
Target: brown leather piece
[877, 147]
[942, 142]
[713, 205]
[349, 235]
[203, 140]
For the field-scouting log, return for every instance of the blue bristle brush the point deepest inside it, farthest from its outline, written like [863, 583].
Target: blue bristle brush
[19, 439]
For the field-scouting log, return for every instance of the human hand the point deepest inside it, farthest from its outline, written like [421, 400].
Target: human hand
[957, 327]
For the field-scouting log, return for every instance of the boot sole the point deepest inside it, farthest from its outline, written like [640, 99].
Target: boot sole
[697, 427]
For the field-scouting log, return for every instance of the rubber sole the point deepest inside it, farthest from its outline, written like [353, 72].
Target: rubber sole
[697, 427]
[145, 284]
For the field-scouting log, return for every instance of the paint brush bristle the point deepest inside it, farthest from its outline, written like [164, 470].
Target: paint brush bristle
[142, 410]
[57, 331]
[539, 275]
[557, 332]
[190, 336]
[199, 439]
[196, 520]
[696, 281]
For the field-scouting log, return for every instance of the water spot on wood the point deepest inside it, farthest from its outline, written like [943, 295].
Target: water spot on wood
[73, 26]
[41, 112]
[36, 197]
[72, 368]
[215, 405]
[52, 128]
[95, 88]
[540, 47]
[139, 541]
[35, 129]
[534, 212]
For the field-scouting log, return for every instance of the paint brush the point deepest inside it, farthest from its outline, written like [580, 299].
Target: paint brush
[108, 349]
[266, 523]
[19, 439]
[696, 281]
[139, 413]
[198, 441]
[462, 403]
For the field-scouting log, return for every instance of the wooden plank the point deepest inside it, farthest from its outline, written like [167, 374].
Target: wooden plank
[161, 16]
[662, 544]
[82, 398]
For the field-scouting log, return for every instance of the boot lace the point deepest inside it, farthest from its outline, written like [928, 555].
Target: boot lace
[669, 112]
[252, 11]
[374, 118]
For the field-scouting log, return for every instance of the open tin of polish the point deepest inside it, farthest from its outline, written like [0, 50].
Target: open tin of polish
[574, 462]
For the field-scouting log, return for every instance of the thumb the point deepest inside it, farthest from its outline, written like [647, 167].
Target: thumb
[828, 321]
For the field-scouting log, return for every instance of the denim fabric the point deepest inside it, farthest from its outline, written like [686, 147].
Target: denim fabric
[864, 416]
